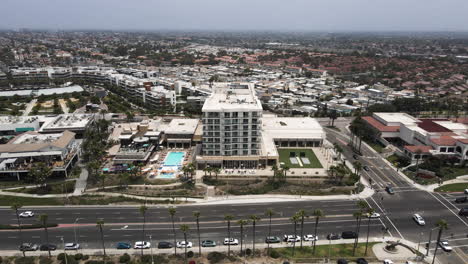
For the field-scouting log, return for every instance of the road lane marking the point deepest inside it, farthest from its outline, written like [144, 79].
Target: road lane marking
[390, 221]
[449, 208]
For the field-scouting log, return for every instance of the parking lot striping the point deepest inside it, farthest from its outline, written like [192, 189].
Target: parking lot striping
[390, 221]
[449, 208]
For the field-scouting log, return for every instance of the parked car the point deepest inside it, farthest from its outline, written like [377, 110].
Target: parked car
[389, 190]
[342, 261]
[419, 220]
[348, 234]
[142, 245]
[387, 261]
[333, 236]
[366, 168]
[466, 191]
[184, 244]
[463, 211]
[123, 245]
[361, 261]
[445, 245]
[230, 241]
[72, 246]
[165, 244]
[373, 215]
[461, 199]
[28, 247]
[291, 238]
[47, 247]
[26, 214]
[272, 239]
[310, 238]
[208, 243]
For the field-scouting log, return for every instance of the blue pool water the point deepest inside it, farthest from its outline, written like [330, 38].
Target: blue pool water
[174, 158]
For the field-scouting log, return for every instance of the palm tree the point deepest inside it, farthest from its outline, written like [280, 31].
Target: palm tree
[100, 223]
[172, 212]
[206, 169]
[363, 207]
[294, 219]
[358, 216]
[270, 213]
[302, 214]
[184, 228]
[274, 168]
[254, 220]
[418, 155]
[196, 214]
[442, 225]
[143, 210]
[241, 224]
[228, 218]
[43, 219]
[15, 207]
[284, 168]
[317, 214]
[216, 171]
[370, 211]
[357, 167]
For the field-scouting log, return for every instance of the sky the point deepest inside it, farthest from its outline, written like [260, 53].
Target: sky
[281, 15]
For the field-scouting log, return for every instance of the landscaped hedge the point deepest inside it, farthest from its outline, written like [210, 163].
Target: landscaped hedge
[29, 226]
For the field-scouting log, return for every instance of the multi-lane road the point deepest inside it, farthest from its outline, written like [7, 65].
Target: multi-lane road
[124, 223]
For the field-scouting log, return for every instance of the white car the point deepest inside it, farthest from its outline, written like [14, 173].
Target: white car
[387, 261]
[184, 244]
[26, 214]
[72, 246]
[142, 245]
[466, 191]
[291, 238]
[230, 241]
[310, 238]
[445, 245]
[373, 215]
[419, 219]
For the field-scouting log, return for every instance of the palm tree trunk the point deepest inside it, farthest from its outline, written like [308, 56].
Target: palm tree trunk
[367, 239]
[315, 234]
[241, 239]
[103, 246]
[253, 242]
[185, 240]
[302, 229]
[437, 244]
[358, 226]
[47, 238]
[229, 237]
[19, 231]
[295, 235]
[174, 235]
[143, 232]
[269, 234]
[198, 232]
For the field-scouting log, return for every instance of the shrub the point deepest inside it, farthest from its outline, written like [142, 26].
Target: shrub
[25, 260]
[124, 258]
[215, 257]
[70, 260]
[190, 254]
[274, 254]
[145, 259]
[61, 256]
[85, 257]
[160, 259]
[1, 259]
[78, 256]
[248, 252]
[45, 260]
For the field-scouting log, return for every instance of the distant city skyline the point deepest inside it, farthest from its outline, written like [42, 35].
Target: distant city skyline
[294, 15]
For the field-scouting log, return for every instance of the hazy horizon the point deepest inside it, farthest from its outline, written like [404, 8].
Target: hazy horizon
[240, 15]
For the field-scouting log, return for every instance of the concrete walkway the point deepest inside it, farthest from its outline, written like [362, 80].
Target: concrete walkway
[29, 107]
[80, 185]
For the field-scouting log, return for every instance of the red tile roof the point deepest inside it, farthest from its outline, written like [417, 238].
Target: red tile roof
[444, 141]
[430, 126]
[379, 126]
[414, 149]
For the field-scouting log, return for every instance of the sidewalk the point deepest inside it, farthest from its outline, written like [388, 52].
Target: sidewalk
[80, 185]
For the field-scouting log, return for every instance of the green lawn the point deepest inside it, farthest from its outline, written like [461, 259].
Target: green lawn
[454, 187]
[51, 188]
[322, 251]
[285, 154]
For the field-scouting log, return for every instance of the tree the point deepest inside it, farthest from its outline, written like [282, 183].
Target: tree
[317, 214]
[196, 214]
[294, 219]
[418, 157]
[228, 218]
[172, 212]
[254, 219]
[274, 168]
[100, 224]
[241, 224]
[39, 173]
[43, 219]
[184, 228]
[216, 171]
[358, 216]
[15, 207]
[302, 214]
[363, 206]
[284, 168]
[370, 211]
[270, 213]
[442, 225]
[357, 167]
[333, 116]
[143, 210]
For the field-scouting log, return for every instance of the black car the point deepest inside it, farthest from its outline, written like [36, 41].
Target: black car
[164, 244]
[366, 168]
[461, 199]
[389, 190]
[342, 261]
[348, 234]
[47, 247]
[361, 261]
[333, 236]
[463, 211]
[355, 156]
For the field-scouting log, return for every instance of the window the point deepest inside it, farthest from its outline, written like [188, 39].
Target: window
[227, 115]
[245, 146]
[245, 152]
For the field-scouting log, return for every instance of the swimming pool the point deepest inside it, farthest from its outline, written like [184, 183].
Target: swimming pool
[174, 158]
[171, 165]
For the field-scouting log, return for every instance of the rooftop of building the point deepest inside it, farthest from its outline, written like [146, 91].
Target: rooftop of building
[68, 121]
[232, 97]
[402, 118]
[182, 126]
[4, 120]
[33, 141]
[379, 126]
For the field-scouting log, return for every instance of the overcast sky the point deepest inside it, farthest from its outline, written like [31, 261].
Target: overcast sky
[311, 15]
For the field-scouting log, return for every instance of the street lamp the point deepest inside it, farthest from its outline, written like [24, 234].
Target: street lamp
[64, 252]
[151, 248]
[429, 243]
[419, 241]
[74, 229]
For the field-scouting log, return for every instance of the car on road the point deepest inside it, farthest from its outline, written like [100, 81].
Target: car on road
[333, 236]
[230, 241]
[461, 199]
[463, 211]
[142, 245]
[419, 220]
[389, 190]
[28, 247]
[342, 261]
[348, 234]
[387, 261]
[366, 168]
[291, 238]
[72, 246]
[208, 243]
[26, 214]
[165, 244]
[272, 240]
[123, 245]
[445, 245]
[355, 156]
[373, 215]
[184, 244]
[47, 247]
[465, 191]
[310, 238]
[361, 261]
